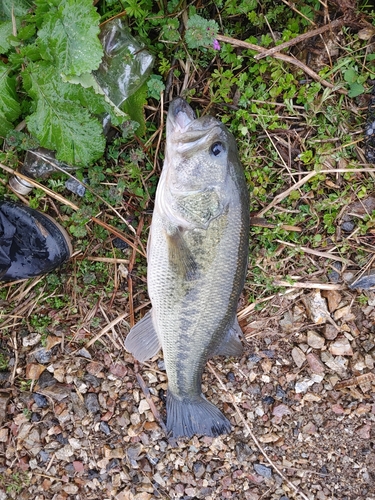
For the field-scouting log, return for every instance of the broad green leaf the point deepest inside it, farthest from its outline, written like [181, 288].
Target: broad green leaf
[18, 7]
[69, 37]
[9, 106]
[134, 106]
[350, 75]
[93, 96]
[355, 89]
[59, 122]
[5, 32]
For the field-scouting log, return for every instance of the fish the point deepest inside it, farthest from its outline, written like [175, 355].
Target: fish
[197, 257]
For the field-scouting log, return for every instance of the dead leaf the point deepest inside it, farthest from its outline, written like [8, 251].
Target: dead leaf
[34, 371]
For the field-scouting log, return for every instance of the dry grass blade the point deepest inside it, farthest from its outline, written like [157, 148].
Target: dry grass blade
[149, 400]
[107, 328]
[286, 193]
[337, 23]
[245, 312]
[325, 255]
[261, 222]
[48, 191]
[309, 284]
[240, 414]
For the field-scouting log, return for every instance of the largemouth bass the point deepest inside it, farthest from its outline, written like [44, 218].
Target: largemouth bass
[197, 259]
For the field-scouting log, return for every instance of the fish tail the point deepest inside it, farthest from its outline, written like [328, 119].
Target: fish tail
[189, 416]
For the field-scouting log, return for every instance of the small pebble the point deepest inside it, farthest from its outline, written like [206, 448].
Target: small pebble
[198, 469]
[43, 356]
[91, 380]
[243, 451]
[35, 417]
[262, 470]
[44, 456]
[92, 474]
[40, 400]
[119, 243]
[280, 393]
[61, 439]
[315, 340]
[254, 358]
[113, 464]
[74, 186]
[161, 365]
[104, 427]
[46, 380]
[231, 377]
[348, 227]
[341, 347]
[268, 400]
[91, 402]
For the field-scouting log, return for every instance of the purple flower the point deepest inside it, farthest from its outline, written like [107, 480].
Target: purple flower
[216, 45]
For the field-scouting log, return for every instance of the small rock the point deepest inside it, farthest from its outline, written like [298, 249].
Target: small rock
[315, 364]
[119, 243]
[348, 227]
[91, 402]
[315, 340]
[143, 406]
[243, 451]
[43, 356]
[341, 347]
[364, 431]
[330, 332]
[64, 453]
[262, 470]
[84, 353]
[298, 356]
[316, 307]
[333, 298]
[40, 400]
[4, 398]
[198, 469]
[343, 312]
[337, 364]
[44, 456]
[35, 417]
[368, 345]
[31, 340]
[46, 380]
[104, 427]
[76, 187]
[303, 384]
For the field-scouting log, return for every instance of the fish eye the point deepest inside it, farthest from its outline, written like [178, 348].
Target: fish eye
[217, 148]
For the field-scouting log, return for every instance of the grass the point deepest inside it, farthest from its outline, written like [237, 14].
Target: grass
[286, 123]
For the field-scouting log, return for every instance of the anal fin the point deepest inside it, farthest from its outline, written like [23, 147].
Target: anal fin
[231, 344]
[142, 340]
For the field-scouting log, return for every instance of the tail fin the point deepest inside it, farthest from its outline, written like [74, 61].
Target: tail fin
[186, 417]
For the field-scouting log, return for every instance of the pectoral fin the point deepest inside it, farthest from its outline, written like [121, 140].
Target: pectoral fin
[180, 256]
[231, 344]
[142, 340]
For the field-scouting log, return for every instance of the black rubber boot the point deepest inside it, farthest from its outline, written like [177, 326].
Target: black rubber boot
[31, 243]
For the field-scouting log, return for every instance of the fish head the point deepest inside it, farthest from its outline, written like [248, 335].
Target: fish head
[198, 150]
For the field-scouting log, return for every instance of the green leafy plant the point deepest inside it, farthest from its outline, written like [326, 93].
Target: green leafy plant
[55, 45]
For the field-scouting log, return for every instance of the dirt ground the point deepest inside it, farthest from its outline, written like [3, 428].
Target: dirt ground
[80, 419]
[301, 402]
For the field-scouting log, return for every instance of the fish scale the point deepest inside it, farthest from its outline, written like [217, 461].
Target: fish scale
[197, 259]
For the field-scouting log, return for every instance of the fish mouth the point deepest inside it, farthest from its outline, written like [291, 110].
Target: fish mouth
[184, 128]
[180, 114]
